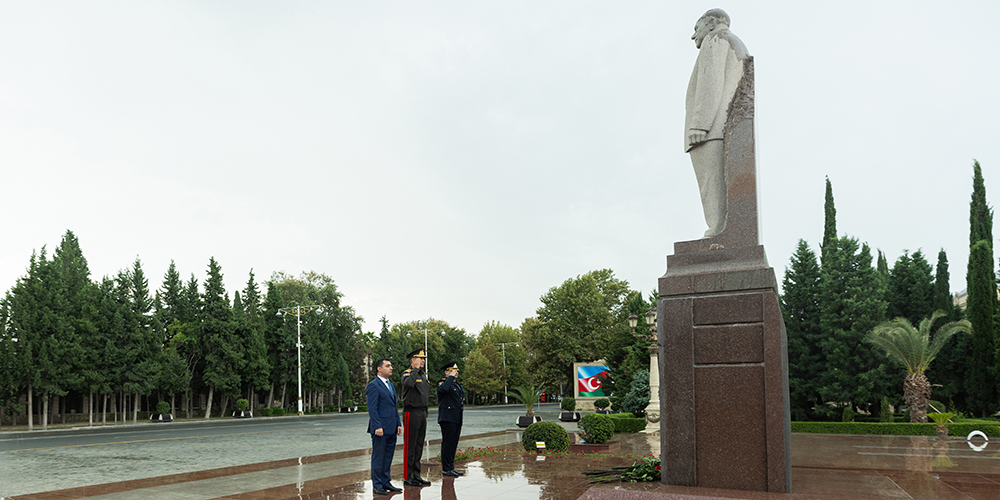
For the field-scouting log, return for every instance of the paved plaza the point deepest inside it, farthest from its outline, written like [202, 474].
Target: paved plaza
[823, 467]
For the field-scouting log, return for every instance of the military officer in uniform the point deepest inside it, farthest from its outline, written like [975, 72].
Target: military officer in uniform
[451, 397]
[416, 394]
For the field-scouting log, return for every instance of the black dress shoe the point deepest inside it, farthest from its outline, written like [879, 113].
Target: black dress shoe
[412, 482]
[423, 482]
[380, 491]
[393, 488]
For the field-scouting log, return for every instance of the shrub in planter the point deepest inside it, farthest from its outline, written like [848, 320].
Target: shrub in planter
[597, 428]
[242, 404]
[552, 434]
[568, 404]
[162, 413]
[569, 413]
[602, 403]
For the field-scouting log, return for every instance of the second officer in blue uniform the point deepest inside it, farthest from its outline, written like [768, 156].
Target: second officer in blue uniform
[451, 398]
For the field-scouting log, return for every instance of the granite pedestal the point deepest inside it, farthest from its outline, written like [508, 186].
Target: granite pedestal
[724, 382]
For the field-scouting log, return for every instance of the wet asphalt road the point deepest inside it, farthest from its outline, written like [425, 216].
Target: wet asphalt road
[56, 459]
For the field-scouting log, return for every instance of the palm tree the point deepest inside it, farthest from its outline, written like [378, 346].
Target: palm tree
[527, 395]
[915, 350]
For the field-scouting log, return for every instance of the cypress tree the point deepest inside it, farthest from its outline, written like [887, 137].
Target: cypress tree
[979, 383]
[222, 350]
[942, 288]
[257, 370]
[981, 306]
[911, 288]
[948, 368]
[829, 220]
[851, 304]
[145, 344]
[883, 265]
[801, 311]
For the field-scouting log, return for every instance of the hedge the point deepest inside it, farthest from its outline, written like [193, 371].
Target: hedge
[628, 424]
[892, 429]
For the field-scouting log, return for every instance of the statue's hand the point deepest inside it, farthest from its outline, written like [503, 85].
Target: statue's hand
[696, 136]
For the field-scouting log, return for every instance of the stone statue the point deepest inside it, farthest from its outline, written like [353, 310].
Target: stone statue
[714, 81]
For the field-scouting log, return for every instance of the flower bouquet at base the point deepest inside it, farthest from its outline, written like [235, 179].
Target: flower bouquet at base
[647, 470]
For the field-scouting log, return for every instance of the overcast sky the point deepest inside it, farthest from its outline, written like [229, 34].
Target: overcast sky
[457, 159]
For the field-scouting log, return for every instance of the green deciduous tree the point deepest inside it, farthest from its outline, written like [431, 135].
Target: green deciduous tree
[575, 323]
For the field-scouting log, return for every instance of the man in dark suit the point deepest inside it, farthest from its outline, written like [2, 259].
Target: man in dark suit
[383, 425]
[451, 399]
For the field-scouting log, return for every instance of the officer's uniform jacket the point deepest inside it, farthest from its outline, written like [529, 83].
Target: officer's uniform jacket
[451, 400]
[416, 389]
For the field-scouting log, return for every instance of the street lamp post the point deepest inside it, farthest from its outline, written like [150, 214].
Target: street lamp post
[653, 409]
[503, 349]
[298, 338]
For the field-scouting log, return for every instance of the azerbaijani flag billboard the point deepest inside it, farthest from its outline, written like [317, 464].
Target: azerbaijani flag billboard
[588, 383]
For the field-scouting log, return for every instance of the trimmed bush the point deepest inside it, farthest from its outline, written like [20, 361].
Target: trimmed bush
[263, 412]
[362, 408]
[163, 407]
[597, 428]
[552, 434]
[848, 415]
[568, 404]
[616, 403]
[349, 403]
[895, 429]
[277, 412]
[602, 403]
[242, 404]
[629, 423]
[885, 412]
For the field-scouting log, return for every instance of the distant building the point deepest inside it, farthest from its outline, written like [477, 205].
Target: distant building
[960, 298]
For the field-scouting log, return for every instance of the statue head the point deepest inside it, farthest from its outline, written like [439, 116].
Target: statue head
[710, 21]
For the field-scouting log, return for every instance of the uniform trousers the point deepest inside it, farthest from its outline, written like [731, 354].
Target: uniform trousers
[449, 443]
[414, 432]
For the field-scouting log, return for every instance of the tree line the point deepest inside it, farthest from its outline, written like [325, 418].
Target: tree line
[112, 344]
[830, 303]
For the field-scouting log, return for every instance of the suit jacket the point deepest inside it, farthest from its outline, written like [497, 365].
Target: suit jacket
[451, 399]
[716, 75]
[382, 410]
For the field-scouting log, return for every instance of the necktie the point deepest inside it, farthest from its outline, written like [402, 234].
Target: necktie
[391, 391]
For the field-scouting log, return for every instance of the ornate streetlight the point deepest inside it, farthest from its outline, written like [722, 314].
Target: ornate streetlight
[653, 409]
[299, 310]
